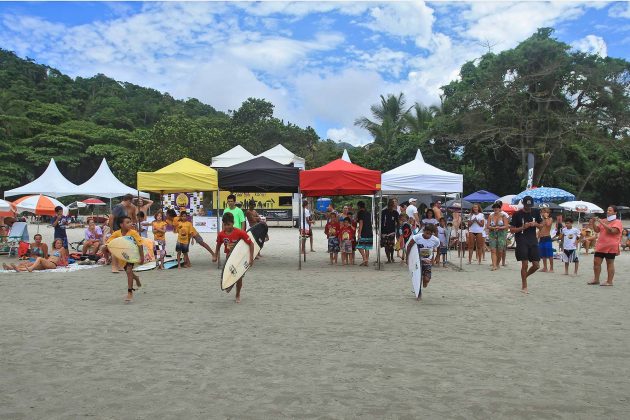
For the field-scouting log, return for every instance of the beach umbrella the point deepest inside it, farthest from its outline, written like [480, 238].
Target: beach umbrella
[507, 198]
[581, 207]
[506, 207]
[94, 202]
[551, 206]
[6, 206]
[456, 205]
[38, 204]
[623, 209]
[75, 205]
[544, 195]
[482, 196]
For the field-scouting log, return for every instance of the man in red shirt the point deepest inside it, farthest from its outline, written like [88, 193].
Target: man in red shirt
[229, 236]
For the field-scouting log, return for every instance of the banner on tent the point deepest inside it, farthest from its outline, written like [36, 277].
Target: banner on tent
[192, 202]
[262, 201]
[277, 215]
[205, 224]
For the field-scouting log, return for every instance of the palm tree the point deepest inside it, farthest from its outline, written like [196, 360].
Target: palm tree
[389, 119]
[419, 120]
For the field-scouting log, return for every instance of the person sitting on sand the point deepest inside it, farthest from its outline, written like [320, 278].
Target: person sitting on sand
[229, 236]
[588, 238]
[58, 257]
[38, 248]
[425, 243]
[93, 238]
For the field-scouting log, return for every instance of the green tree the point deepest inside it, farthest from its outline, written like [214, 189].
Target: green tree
[389, 119]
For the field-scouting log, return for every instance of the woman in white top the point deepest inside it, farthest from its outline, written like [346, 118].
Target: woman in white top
[476, 224]
[429, 218]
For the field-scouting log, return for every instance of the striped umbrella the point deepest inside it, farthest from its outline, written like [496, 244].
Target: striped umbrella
[38, 204]
[7, 209]
[545, 195]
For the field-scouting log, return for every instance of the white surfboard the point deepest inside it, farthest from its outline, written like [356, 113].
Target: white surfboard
[124, 248]
[152, 265]
[238, 262]
[415, 269]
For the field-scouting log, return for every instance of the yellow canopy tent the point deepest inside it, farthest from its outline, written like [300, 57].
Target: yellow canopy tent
[185, 175]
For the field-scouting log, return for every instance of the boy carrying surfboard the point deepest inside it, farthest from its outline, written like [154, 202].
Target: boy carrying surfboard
[426, 244]
[126, 229]
[229, 236]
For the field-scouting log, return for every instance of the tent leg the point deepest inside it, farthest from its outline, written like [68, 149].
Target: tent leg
[461, 253]
[303, 215]
[299, 235]
[377, 217]
[218, 223]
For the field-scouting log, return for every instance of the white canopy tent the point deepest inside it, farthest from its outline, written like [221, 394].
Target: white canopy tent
[104, 184]
[418, 176]
[237, 154]
[284, 156]
[345, 156]
[51, 183]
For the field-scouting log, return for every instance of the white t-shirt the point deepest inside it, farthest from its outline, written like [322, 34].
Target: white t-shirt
[475, 227]
[428, 245]
[305, 225]
[463, 235]
[442, 235]
[411, 210]
[570, 238]
[430, 222]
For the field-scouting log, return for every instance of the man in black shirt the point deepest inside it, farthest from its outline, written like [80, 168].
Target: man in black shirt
[523, 226]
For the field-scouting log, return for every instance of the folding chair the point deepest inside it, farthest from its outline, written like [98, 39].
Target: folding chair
[17, 234]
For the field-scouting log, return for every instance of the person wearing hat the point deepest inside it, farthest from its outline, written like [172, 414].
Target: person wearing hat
[412, 212]
[523, 225]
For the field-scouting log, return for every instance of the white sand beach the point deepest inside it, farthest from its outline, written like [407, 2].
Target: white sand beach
[323, 342]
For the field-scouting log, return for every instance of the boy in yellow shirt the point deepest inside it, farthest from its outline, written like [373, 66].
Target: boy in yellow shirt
[159, 239]
[185, 232]
[126, 229]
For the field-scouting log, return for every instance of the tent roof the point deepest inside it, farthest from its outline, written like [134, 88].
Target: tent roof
[482, 196]
[51, 183]
[104, 184]
[345, 156]
[340, 178]
[260, 174]
[185, 175]
[418, 176]
[237, 154]
[284, 156]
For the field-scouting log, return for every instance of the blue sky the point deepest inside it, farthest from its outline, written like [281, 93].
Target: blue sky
[321, 63]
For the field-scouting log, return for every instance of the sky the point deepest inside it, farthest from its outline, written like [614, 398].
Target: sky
[322, 64]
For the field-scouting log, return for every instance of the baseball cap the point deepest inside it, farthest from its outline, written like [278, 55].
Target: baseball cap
[412, 200]
[528, 201]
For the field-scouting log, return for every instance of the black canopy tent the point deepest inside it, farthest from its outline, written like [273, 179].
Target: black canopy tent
[260, 175]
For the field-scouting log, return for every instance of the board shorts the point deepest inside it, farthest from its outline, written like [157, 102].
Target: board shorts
[606, 255]
[498, 240]
[183, 248]
[426, 269]
[546, 247]
[388, 240]
[443, 250]
[159, 247]
[333, 245]
[570, 256]
[365, 243]
[527, 252]
[346, 246]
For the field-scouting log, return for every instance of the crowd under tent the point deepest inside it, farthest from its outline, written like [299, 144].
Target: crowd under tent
[260, 174]
[284, 156]
[104, 184]
[185, 175]
[234, 156]
[51, 183]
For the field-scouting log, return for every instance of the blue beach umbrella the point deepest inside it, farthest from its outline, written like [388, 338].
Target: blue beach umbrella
[545, 195]
[482, 196]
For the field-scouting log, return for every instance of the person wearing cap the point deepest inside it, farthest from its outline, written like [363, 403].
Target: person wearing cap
[412, 212]
[523, 225]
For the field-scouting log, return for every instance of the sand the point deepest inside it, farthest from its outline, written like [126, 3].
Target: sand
[324, 342]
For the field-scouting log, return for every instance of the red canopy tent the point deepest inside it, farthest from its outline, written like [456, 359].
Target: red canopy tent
[339, 178]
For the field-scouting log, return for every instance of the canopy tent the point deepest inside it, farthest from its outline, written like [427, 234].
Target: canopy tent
[260, 174]
[339, 178]
[284, 156]
[104, 184]
[345, 156]
[185, 175]
[418, 176]
[237, 154]
[51, 183]
[482, 196]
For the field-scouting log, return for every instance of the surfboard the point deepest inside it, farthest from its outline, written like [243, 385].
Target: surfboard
[125, 249]
[415, 269]
[172, 263]
[238, 262]
[153, 264]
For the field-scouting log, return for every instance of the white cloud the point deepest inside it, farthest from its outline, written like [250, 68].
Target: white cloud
[592, 44]
[411, 19]
[348, 135]
[620, 10]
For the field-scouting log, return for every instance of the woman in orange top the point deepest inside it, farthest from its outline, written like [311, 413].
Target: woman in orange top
[607, 245]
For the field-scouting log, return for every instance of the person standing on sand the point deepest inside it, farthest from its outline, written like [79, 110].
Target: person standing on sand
[143, 204]
[364, 230]
[476, 226]
[523, 226]
[425, 243]
[544, 240]
[122, 209]
[389, 227]
[607, 245]
[412, 212]
[127, 229]
[239, 216]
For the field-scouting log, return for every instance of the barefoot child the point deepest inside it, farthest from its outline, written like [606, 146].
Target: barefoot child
[570, 239]
[346, 237]
[229, 236]
[544, 237]
[332, 231]
[126, 229]
[442, 236]
[184, 234]
[425, 243]
[159, 239]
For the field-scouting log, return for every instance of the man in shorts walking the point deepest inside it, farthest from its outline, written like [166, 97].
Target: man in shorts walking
[523, 225]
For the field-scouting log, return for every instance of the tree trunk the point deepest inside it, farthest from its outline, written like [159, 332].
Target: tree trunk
[588, 177]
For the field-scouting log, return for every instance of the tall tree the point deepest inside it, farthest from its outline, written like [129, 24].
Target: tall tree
[388, 119]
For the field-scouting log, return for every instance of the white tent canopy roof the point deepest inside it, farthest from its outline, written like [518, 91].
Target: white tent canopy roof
[345, 156]
[418, 176]
[284, 156]
[51, 183]
[104, 184]
[237, 154]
